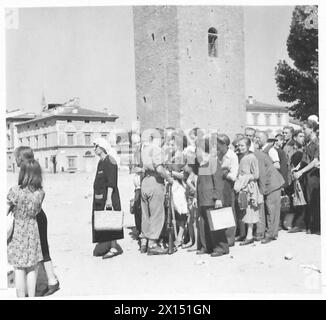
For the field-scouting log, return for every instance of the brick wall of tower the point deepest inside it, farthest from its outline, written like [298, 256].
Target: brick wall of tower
[212, 90]
[156, 66]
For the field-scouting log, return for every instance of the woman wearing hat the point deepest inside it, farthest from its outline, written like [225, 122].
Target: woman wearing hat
[106, 196]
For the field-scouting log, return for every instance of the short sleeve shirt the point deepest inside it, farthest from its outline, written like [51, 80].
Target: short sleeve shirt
[273, 154]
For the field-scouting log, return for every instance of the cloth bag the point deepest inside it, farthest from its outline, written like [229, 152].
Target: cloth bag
[179, 198]
[221, 218]
[108, 220]
[298, 196]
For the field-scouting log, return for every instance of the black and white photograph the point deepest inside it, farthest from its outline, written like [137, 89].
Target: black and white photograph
[161, 150]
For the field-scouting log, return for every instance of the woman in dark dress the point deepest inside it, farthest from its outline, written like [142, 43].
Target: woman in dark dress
[311, 176]
[106, 196]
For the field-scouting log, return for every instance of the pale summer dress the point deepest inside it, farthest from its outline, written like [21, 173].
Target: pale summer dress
[24, 250]
[247, 181]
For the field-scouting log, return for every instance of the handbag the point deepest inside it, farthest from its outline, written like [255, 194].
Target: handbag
[243, 200]
[298, 196]
[10, 226]
[285, 203]
[221, 218]
[108, 220]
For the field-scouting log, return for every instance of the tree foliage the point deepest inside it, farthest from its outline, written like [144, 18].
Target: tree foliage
[299, 84]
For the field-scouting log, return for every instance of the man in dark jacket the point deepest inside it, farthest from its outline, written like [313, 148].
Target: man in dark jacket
[270, 183]
[210, 186]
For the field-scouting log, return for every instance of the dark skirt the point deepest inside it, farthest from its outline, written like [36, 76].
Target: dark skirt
[42, 224]
[98, 205]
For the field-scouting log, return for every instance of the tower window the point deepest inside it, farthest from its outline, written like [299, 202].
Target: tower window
[153, 36]
[212, 42]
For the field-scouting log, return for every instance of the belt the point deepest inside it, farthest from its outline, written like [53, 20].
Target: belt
[150, 173]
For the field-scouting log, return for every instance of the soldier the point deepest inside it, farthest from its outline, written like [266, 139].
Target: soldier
[152, 192]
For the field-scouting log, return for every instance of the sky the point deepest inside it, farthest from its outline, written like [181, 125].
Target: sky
[87, 52]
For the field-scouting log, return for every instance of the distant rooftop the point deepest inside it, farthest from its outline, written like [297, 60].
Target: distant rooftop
[64, 112]
[19, 115]
[254, 105]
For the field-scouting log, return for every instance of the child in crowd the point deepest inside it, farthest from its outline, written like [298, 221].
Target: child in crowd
[24, 249]
[191, 196]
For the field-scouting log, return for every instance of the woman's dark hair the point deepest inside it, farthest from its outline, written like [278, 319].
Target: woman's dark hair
[30, 175]
[24, 153]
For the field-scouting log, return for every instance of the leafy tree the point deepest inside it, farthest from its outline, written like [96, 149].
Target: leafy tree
[299, 84]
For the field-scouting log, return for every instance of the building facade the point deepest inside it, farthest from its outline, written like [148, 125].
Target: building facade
[266, 117]
[189, 63]
[12, 119]
[62, 137]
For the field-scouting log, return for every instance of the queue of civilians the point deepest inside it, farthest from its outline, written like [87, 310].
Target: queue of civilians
[271, 184]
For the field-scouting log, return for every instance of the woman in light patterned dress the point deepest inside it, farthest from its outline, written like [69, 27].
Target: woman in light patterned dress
[247, 182]
[24, 250]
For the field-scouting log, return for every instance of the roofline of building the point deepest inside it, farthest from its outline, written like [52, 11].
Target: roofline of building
[271, 108]
[19, 118]
[111, 118]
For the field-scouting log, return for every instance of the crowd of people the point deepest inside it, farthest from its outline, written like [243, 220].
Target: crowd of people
[270, 183]
[262, 180]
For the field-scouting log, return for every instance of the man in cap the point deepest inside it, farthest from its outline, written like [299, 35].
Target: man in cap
[152, 192]
[266, 145]
[270, 183]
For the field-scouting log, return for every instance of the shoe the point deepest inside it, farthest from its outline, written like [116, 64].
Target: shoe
[111, 254]
[295, 230]
[143, 249]
[239, 239]
[187, 245]
[173, 250]
[247, 241]
[178, 244]
[157, 250]
[267, 240]
[52, 289]
[259, 238]
[192, 249]
[308, 231]
[231, 245]
[217, 254]
[201, 251]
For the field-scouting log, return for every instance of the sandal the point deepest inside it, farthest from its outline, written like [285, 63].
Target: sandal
[111, 254]
[178, 243]
[187, 245]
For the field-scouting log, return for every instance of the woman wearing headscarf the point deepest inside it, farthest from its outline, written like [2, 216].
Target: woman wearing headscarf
[106, 197]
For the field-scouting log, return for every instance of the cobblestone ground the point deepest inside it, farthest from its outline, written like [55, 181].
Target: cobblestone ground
[252, 269]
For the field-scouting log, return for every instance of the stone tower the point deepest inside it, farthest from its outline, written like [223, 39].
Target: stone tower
[189, 63]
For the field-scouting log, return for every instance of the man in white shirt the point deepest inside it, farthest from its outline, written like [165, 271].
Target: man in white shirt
[268, 148]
